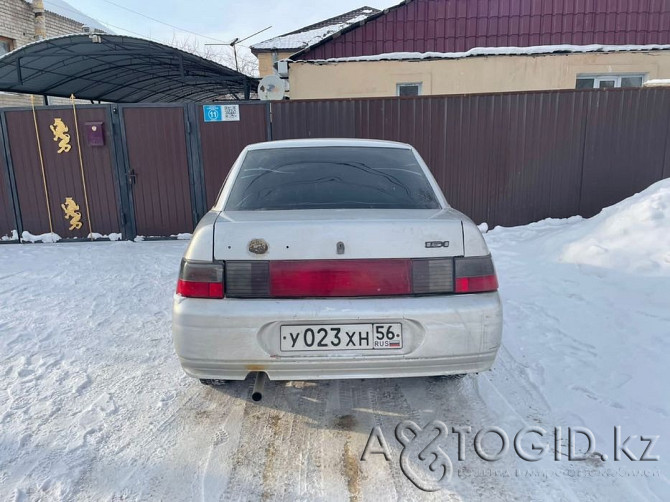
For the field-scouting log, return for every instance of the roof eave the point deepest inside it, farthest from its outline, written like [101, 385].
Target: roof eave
[605, 49]
[349, 28]
[276, 49]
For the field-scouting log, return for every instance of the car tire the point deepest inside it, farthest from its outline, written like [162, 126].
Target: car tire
[458, 376]
[212, 382]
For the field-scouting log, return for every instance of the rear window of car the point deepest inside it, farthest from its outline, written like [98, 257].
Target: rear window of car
[330, 178]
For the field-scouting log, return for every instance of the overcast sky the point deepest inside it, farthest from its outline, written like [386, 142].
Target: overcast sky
[214, 21]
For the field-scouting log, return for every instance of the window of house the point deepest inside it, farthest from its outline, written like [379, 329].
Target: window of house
[608, 81]
[408, 89]
[6, 45]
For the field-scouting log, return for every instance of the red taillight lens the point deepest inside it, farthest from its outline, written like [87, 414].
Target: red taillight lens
[475, 274]
[357, 278]
[200, 279]
[199, 289]
[324, 278]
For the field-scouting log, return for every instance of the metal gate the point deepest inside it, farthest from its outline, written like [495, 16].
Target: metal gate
[49, 171]
[158, 169]
[151, 170]
[8, 223]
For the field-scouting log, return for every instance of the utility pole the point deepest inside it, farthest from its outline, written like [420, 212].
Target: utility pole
[232, 44]
[236, 41]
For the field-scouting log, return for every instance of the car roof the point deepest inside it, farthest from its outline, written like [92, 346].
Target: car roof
[316, 142]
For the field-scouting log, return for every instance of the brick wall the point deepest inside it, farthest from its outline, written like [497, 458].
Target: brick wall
[17, 23]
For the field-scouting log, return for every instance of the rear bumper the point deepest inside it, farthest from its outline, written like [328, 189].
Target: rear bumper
[227, 339]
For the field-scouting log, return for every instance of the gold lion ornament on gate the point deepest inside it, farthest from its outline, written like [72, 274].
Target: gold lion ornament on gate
[60, 132]
[71, 210]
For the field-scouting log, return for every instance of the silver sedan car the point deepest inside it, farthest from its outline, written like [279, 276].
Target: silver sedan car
[334, 258]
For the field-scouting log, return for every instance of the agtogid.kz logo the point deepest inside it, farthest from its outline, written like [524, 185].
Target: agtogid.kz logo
[426, 464]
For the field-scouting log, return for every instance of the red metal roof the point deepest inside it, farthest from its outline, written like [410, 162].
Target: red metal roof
[460, 25]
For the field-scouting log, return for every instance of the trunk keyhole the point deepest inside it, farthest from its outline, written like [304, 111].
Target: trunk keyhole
[340, 247]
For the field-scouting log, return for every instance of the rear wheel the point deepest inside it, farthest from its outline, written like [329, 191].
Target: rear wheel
[450, 377]
[212, 382]
[456, 377]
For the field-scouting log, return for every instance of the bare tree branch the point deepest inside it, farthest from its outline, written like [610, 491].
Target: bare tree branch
[246, 61]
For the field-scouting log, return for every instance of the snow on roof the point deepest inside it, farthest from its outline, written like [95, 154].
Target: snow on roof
[310, 35]
[657, 82]
[305, 38]
[492, 51]
[64, 9]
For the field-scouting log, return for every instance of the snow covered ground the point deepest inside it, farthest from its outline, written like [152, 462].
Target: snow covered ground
[94, 405]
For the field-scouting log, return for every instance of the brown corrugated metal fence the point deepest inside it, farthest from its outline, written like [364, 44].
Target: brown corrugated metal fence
[511, 159]
[506, 159]
[222, 142]
[626, 145]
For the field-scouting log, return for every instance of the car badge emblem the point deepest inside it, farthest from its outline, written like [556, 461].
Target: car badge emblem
[437, 244]
[258, 246]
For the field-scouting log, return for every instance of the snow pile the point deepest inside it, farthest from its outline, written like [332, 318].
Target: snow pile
[14, 236]
[632, 236]
[495, 51]
[586, 307]
[28, 237]
[112, 237]
[48, 237]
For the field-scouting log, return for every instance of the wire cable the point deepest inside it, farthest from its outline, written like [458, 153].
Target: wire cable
[162, 22]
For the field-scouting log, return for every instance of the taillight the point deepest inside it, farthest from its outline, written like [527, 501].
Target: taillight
[432, 276]
[357, 278]
[248, 279]
[474, 274]
[200, 279]
[322, 278]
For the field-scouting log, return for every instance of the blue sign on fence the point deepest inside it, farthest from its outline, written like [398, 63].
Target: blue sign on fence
[212, 113]
[221, 113]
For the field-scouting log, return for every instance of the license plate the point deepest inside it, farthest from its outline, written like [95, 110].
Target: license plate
[320, 337]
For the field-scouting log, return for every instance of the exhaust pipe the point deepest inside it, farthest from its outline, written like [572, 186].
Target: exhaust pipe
[259, 386]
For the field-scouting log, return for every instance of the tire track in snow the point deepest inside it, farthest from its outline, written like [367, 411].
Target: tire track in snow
[214, 473]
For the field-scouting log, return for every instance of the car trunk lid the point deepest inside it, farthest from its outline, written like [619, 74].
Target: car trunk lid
[342, 234]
